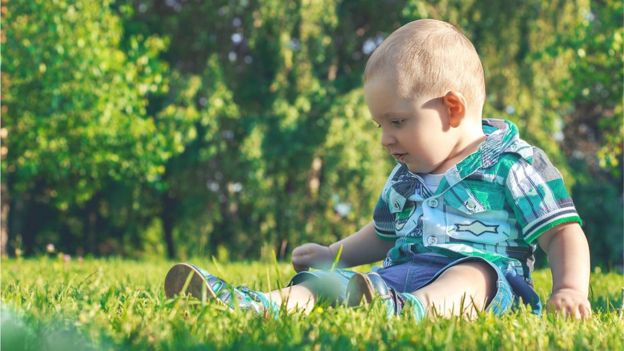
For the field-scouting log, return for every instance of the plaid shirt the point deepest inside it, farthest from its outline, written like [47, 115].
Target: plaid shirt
[494, 204]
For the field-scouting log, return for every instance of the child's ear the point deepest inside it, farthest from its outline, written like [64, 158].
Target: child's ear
[455, 106]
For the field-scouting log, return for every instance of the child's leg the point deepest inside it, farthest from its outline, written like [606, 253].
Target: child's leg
[295, 297]
[306, 289]
[462, 289]
[299, 295]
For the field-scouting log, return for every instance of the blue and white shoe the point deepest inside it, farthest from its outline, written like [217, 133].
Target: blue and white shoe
[184, 278]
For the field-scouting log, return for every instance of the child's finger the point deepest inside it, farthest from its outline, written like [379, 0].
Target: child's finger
[576, 312]
[579, 312]
[298, 268]
[585, 310]
[300, 250]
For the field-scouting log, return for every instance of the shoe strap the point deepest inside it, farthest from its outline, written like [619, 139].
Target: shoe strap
[268, 307]
[412, 303]
[398, 301]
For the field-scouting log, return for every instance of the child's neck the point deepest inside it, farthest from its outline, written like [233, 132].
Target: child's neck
[468, 143]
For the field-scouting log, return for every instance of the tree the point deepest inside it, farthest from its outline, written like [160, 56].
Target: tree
[75, 110]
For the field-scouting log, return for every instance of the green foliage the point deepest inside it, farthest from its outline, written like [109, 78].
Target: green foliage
[275, 160]
[118, 304]
[241, 125]
[594, 83]
[605, 237]
[75, 112]
[589, 100]
[76, 102]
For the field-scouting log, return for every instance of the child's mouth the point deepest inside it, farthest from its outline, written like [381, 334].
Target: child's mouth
[399, 157]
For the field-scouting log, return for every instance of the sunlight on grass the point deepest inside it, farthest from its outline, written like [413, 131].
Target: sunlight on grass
[113, 304]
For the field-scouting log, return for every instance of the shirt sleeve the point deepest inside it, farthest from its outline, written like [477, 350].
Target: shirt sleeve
[539, 199]
[383, 219]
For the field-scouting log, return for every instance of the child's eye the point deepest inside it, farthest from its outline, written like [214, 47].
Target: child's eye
[398, 122]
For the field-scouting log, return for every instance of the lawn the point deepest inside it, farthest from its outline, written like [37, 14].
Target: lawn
[51, 304]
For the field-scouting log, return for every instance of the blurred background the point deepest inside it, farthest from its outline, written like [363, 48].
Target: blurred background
[237, 128]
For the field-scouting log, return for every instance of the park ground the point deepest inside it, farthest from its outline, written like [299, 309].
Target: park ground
[59, 303]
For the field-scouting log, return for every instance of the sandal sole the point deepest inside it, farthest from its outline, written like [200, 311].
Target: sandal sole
[176, 278]
[358, 289]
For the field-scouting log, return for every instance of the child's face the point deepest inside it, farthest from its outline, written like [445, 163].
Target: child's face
[415, 131]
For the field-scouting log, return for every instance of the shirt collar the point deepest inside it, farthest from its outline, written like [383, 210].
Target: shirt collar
[501, 137]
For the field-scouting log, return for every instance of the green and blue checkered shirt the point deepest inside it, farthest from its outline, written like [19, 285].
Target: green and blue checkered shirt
[493, 204]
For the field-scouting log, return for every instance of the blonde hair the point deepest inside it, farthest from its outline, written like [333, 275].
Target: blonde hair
[430, 57]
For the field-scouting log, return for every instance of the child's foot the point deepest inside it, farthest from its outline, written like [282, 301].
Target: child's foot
[365, 287]
[204, 285]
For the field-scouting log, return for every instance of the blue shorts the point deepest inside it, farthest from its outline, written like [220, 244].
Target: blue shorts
[422, 270]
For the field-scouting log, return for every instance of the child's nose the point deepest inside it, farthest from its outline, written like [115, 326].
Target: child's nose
[387, 139]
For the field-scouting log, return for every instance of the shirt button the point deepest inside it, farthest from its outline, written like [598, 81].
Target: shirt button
[433, 203]
[432, 240]
[471, 205]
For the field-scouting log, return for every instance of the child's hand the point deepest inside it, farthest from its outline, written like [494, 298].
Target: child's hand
[570, 302]
[311, 255]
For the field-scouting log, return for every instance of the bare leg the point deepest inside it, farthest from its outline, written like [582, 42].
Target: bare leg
[461, 290]
[297, 297]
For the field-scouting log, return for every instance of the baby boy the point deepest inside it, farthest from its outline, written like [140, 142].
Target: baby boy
[460, 215]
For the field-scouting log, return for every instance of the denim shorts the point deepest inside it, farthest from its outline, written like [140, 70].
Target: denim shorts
[422, 270]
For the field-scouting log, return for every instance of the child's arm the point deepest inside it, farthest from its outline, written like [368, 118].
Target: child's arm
[360, 248]
[568, 256]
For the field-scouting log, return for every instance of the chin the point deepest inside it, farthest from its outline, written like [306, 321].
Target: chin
[416, 169]
[413, 168]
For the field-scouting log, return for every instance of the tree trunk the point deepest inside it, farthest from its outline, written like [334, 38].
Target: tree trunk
[4, 220]
[167, 217]
[32, 217]
[92, 220]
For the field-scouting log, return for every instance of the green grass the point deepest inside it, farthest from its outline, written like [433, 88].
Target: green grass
[119, 304]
